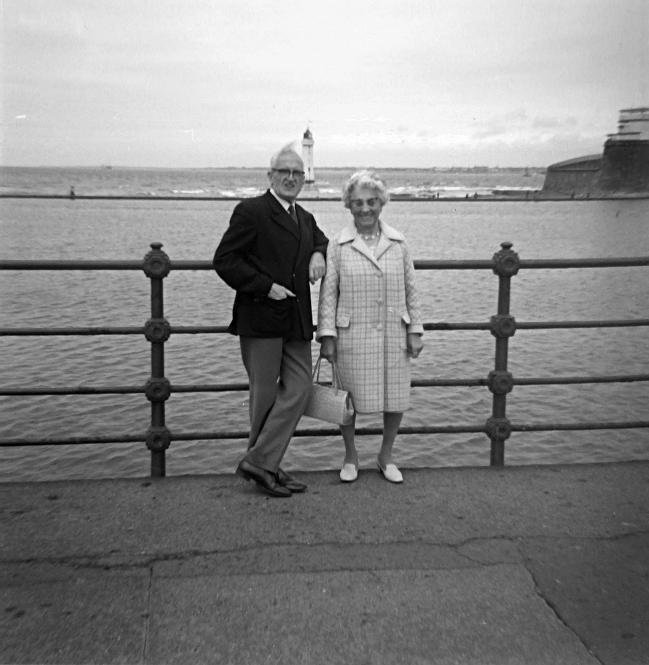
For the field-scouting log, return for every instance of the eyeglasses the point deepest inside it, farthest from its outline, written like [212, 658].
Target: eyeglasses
[358, 203]
[289, 173]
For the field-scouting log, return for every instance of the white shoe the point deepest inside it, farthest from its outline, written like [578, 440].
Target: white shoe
[348, 473]
[390, 472]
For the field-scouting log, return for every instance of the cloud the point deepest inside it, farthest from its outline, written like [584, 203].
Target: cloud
[427, 79]
[548, 122]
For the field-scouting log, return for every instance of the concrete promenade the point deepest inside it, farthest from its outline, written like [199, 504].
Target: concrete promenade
[521, 566]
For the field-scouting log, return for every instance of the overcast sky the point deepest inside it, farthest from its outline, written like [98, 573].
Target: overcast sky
[195, 83]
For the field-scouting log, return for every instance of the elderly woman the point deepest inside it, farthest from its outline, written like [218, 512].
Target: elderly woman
[369, 319]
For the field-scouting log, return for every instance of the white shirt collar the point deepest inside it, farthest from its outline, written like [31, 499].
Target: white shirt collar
[285, 204]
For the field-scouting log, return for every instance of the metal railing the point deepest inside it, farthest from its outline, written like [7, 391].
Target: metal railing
[157, 265]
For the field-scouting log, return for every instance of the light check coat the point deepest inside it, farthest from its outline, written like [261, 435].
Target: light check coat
[369, 302]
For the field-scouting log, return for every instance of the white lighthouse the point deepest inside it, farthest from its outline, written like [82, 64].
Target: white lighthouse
[307, 156]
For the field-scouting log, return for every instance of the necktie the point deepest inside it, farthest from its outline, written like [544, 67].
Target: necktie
[292, 213]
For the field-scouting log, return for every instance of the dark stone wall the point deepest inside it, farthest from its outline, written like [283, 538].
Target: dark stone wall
[622, 169]
[576, 178]
[625, 167]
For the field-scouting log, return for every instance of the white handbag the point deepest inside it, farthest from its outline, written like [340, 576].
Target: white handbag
[329, 403]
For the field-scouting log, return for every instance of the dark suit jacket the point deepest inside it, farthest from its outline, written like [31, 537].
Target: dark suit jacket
[263, 245]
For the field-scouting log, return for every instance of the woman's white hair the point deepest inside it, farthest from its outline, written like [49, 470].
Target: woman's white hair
[367, 179]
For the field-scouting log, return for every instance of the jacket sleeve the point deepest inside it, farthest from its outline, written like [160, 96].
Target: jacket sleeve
[328, 301]
[412, 296]
[234, 259]
[320, 240]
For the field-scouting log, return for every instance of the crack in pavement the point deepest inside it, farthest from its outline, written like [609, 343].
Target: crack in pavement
[114, 560]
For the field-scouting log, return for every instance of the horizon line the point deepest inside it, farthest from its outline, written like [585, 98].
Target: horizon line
[216, 168]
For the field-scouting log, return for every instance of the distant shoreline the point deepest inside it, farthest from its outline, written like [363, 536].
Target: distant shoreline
[433, 169]
[531, 197]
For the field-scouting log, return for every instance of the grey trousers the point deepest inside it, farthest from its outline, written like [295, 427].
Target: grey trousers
[279, 373]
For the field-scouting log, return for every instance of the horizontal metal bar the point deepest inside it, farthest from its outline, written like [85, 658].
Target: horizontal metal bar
[106, 330]
[328, 431]
[73, 441]
[190, 264]
[421, 264]
[541, 325]
[334, 431]
[13, 391]
[195, 330]
[466, 264]
[534, 264]
[209, 388]
[28, 264]
[233, 434]
[564, 380]
[549, 325]
[552, 427]
[618, 262]
[64, 332]
[466, 325]
[437, 383]
[208, 330]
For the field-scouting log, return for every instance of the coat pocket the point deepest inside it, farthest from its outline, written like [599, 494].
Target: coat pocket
[345, 340]
[342, 320]
[271, 317]
[403, 336]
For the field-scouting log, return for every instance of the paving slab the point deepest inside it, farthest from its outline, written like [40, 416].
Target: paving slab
[86, 617]
[478, 616]
[599, 587]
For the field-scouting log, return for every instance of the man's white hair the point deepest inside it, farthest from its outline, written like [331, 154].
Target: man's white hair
[288, 149]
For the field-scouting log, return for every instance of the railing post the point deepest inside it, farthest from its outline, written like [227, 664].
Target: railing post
[500, 380]
[156, 267]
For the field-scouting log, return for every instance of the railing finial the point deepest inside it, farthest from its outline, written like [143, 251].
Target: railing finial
[157, 263]
[506, 261]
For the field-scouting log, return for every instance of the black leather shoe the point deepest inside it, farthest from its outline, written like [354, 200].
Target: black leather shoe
[289, 482]
[264, 479]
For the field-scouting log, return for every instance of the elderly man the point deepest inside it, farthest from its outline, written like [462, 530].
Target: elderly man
[270, 252]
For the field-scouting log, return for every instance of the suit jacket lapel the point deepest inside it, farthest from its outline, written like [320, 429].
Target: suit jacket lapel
[281, 216]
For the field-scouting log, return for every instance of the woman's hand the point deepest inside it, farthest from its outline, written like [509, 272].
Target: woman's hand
[415, 344]
[317, 267]
[328, 348]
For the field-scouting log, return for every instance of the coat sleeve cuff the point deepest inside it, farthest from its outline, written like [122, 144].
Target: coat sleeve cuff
[325, 332]
[417, 328]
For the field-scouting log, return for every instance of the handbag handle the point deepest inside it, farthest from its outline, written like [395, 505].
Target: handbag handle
[335, 382]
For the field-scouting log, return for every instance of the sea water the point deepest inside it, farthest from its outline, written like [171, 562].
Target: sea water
[124, 229]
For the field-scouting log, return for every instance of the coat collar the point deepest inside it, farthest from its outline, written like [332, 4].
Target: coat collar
[349, 233]
[389, 235]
